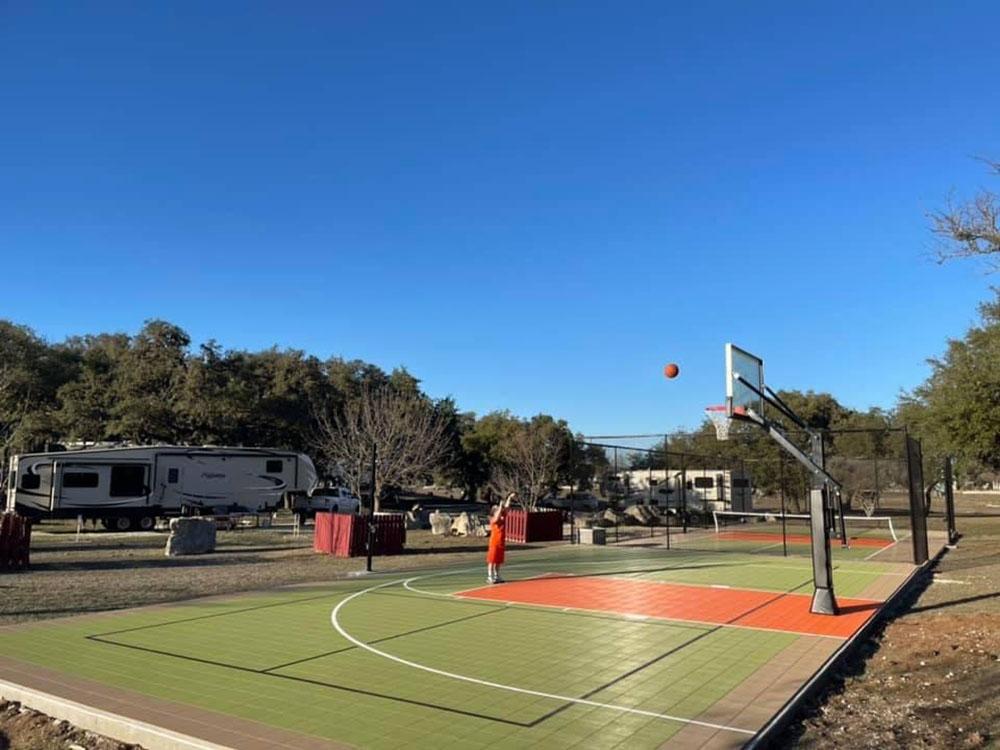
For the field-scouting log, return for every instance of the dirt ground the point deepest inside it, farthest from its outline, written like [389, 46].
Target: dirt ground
[929, 679]
[24, 729]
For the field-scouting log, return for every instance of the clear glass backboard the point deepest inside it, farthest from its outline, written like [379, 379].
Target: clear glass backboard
[743, 370]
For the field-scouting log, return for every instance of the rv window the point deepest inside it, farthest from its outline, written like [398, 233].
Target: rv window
[173, 476]
[80, 479]
[30, 482]
[704, 482]
[275, 466]
[128, 481]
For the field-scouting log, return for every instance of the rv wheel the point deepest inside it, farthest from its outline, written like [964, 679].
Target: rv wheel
[122, 523]
[147, 523]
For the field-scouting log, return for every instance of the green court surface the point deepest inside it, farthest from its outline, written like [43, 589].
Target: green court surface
[389, 660]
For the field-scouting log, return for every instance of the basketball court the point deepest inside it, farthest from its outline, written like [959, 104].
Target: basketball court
[704, 638]
[631, 646]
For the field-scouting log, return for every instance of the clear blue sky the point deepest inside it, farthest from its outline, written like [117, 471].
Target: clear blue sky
[531, 205]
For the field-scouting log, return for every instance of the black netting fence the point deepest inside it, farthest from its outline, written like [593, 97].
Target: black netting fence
[748, 493]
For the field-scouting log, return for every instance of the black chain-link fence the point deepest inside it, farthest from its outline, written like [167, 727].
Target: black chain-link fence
[679, 489]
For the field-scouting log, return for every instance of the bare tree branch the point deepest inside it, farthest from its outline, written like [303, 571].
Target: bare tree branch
[970, 229]
[530, 462]
[409, 437]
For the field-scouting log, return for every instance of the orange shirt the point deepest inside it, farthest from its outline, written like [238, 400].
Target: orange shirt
[498, 541]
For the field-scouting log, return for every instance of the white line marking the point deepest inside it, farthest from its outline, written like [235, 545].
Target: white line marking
[880, 550]
[335, 621]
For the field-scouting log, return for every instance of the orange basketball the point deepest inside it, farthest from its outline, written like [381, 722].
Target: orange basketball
[671, 370]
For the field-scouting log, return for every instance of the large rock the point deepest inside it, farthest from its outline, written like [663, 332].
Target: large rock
[191, 536]
[440, 523]
[468, 524]
[640, 514]
[607, 518]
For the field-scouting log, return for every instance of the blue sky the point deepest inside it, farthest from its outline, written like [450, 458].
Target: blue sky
[530, 205]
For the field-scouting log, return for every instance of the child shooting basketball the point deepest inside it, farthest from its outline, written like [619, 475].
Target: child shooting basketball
[498, 539]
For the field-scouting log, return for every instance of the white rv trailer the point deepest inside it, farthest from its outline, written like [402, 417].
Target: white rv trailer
[697, 489]
[129, 488]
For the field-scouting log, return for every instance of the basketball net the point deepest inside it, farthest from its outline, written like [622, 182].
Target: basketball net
[868, 504]
[720, 418]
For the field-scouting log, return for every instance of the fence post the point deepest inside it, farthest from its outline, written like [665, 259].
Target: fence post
[918, 519]
[949, 501]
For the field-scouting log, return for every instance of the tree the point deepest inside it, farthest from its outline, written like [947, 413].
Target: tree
[532, 459]
[87, 402]
[970, 229]
[148, 385]
[34, 372]
[13, 409]
[956, 411]
[408, 435]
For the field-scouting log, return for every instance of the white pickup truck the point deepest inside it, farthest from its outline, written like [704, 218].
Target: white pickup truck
[325, 500]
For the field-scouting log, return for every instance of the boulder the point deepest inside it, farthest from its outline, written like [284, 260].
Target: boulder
[640, 514]
[609, 518]
[191, 536]
[468, 524]
[440, 523]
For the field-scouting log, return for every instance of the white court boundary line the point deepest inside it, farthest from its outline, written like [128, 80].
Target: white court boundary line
[885, 549]
[335, 621]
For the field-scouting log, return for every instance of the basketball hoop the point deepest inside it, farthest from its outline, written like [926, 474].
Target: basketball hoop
[869, 502]
[721, 419]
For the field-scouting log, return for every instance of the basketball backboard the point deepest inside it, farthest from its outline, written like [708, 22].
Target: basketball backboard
[744, 382]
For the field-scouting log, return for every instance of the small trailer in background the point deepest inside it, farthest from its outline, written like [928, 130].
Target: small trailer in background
[130, 488]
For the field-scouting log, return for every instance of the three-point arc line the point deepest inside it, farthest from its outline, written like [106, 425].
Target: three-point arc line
[335, 621]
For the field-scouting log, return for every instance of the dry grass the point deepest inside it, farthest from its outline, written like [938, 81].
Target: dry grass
[114, 571]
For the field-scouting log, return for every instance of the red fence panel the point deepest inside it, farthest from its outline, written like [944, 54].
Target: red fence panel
[15, 541]
[534, 526]
[323, 534]
[346, 535]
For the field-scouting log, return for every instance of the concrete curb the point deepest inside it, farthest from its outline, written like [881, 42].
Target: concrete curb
[117, 727]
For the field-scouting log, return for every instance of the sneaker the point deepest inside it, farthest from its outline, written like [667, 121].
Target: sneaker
[498, 579]
[490, 579]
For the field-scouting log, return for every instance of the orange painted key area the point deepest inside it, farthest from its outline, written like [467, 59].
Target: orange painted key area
[770, 537]
[669, 601]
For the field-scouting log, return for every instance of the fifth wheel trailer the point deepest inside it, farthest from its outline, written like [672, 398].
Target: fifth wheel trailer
[128, 488]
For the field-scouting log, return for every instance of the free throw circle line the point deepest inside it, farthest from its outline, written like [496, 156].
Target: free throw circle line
[335, 621]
